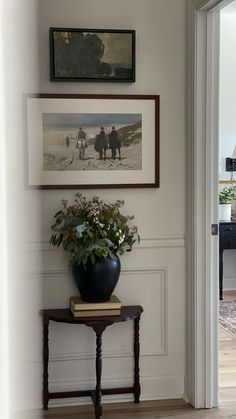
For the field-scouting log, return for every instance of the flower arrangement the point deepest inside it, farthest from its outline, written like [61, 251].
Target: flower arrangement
[227, 194]
[91, 228]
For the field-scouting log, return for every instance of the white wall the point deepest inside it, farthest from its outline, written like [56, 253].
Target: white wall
[227, 88]
[228, 115]
[19, 31]
[153, 274]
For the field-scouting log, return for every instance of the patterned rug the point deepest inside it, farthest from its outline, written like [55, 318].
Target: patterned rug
[227, 316]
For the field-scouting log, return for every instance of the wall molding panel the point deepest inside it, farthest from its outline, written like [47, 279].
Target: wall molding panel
[162, 241]
[172, 240]
[162, 333]
[151, 285]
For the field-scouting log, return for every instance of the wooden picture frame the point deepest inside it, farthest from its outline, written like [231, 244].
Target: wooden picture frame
[92, 55]
[65, 133]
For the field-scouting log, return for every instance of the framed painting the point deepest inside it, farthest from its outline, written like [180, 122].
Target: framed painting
[93, 141]
[92, 55]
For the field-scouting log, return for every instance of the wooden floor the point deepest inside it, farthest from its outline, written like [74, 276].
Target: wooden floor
[172, 408]
[227, 359]
[145, 410]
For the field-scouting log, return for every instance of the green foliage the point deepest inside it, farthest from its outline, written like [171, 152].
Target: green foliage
[79, 54]
[227, 194]
[91, 228]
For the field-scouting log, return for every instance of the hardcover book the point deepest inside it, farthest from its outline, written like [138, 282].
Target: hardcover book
[95, 313]
[77, 304]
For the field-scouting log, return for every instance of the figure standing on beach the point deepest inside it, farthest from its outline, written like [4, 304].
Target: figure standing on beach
[67, 141]
[81, 143]
[114, 143]
[101, 144]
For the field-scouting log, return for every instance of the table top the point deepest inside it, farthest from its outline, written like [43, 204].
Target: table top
[228, 222]
[64, 315]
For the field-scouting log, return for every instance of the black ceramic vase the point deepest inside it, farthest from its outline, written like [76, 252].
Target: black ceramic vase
[96, 281]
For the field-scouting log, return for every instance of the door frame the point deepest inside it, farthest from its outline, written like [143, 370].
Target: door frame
[202, 145]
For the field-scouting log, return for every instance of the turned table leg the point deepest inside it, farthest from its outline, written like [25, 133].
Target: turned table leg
[98, 392]
[136, 361]
[221, 274]
[98, 329]
[45, 363]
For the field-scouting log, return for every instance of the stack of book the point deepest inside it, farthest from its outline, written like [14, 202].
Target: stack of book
[80, 308]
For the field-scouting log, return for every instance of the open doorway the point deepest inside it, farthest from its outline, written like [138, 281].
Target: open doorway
[227, 177]
[202, 247]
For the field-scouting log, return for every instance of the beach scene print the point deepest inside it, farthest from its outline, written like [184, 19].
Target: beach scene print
[98, 141]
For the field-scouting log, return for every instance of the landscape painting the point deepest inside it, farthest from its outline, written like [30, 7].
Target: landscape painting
[92, 141]
[92, 55]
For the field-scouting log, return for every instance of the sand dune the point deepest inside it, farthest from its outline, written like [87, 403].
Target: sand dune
[59, 157]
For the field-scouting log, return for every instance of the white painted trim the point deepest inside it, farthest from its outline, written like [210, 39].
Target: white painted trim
[189, 179]
[167, 240]
[212, 208]
[199, 210]
[172, 240]
[163, 271]
[202, 125]
[4, 225]
[83, 356]
[209, 5]
[132, 270]
[170, 386]
[80, 355]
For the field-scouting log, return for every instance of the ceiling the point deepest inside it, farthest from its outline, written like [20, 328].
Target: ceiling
[230, 9]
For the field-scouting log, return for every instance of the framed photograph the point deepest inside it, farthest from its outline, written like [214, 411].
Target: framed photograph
[93, 141]
[92, 55]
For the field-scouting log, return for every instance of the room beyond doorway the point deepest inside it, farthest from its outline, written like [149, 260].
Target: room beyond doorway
[227, 360]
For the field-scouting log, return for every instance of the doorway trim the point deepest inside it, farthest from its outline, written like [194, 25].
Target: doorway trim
[202, 127]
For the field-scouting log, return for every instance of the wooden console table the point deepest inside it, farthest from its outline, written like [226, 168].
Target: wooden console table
[98, 324]
[227, 241]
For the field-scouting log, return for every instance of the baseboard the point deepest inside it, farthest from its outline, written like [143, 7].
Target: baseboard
[152, 388]
[156, 406]
[229, 284]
